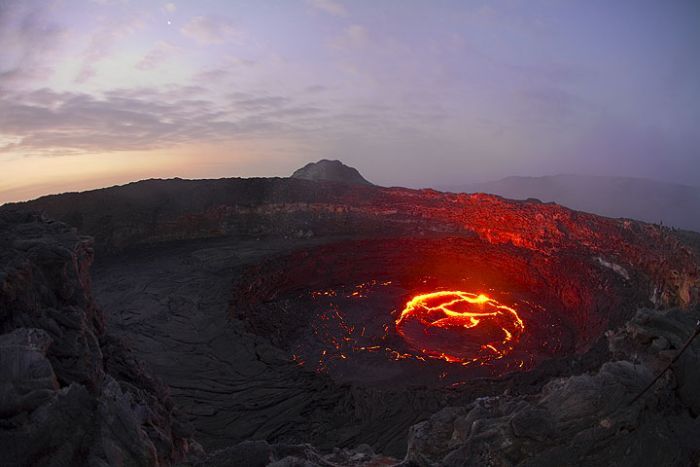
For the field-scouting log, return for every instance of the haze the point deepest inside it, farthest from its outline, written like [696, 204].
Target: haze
[412, 93]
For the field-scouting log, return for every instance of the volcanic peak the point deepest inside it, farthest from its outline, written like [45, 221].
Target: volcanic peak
[330, 170]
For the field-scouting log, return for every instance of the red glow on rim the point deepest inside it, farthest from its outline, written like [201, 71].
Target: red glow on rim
[459, 327]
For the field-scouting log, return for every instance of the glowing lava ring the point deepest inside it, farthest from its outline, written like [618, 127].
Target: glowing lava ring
[459, 327]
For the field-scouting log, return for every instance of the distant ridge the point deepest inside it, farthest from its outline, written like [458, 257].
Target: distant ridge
[330, 170]
[636, 198]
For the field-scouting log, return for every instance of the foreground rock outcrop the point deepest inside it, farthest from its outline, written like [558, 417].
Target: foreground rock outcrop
[69, 393]
[587, 419]
[261, 454]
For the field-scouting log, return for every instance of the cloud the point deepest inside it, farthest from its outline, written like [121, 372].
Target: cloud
[316, 88]
[103, 42]
[46, 122]
[329, 6]
[353, 37]
[207, 30]
[108, 2]
[169, 7]
[160, 53]
[255, 103]
[27, 38]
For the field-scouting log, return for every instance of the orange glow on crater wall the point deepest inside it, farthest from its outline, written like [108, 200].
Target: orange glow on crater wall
[459, 327]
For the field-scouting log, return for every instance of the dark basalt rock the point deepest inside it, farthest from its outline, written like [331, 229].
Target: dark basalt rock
[26, 376]
[261, 454]
[69, 393]
[330, 171]
[72, 392]
[156, 211]
[586, 419]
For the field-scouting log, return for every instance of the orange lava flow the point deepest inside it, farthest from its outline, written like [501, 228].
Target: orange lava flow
[459, 327]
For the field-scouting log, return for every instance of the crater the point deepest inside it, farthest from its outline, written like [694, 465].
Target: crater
[429, 311]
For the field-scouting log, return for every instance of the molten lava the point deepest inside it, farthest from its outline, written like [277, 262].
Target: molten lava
[459, 327]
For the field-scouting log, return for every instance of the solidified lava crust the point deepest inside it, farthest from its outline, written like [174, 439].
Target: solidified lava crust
[433, 311]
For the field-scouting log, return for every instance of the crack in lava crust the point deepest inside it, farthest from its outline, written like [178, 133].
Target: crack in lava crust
[459, 327]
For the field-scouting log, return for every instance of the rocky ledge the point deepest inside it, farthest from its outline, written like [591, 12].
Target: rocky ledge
[69, 393]
[587, 419]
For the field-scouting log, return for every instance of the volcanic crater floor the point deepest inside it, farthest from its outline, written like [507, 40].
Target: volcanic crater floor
[303, 340]
[435, 311]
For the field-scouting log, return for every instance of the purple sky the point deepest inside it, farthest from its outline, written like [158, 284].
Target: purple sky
[413, 93]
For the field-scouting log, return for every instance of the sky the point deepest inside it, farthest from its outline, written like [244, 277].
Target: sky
[410, 92]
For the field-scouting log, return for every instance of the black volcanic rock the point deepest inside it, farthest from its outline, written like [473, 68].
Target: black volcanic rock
[586, 419]
[69, 393]
[156, 211]
[332, 171]
[169, 252]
